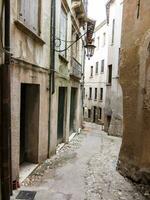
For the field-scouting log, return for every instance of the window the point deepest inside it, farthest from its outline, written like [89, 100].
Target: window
[84, 93]
[104, 39]
[95, 93]
[90, 93]
[102, 66]
[63, 32]
[100, 113]
[98, 42]
[89, 113]
[96, 69]
[113, 31]
[109, 74]
[91, 70]
[101, 94]
[29, 14]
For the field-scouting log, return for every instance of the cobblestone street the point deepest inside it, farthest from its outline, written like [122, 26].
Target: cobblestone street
[84, 169]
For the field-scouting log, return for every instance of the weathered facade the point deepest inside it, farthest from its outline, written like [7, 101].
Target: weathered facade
[66, 101]
[113, 104]
[30, 46]
[134, 159]
[96, 77]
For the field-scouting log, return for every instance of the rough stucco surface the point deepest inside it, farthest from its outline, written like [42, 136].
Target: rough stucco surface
[20, 75]
[134, 160]
[114, 99]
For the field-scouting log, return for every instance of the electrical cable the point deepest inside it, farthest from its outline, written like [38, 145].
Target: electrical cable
[70, 44]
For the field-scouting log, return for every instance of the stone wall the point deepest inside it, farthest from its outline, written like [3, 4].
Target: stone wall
[134, 159]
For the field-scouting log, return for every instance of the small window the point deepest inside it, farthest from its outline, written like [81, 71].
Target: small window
[91, 71]
[84, 93]
[113, 31]
[102, 66]
[95, 93]
[90, 93]
[109, 74]
[89, 113]
[98, 43]
[101, 94]
[96, 69]
[104, 39]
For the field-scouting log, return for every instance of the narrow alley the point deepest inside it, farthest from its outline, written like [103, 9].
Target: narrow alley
[84, 169]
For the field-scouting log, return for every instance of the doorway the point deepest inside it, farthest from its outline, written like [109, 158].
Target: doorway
[94, 114]
[73, 107]
[29, 123]
[108, 121]
[61, 114]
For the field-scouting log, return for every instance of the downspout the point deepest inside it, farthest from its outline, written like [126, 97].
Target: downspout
[52, 65]
[6, 111]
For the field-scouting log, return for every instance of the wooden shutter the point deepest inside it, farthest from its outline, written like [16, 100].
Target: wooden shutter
[28, 13]
[63, 31]
[34, 7]
[21, 4]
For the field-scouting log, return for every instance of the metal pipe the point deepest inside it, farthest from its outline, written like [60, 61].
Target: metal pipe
[6, 112]
[52, 65]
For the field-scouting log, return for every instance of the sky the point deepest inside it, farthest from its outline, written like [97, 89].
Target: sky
[96, 10]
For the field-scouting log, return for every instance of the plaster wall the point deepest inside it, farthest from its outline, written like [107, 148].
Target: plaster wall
[63, 69]
[26, 74]
[114, 100]
[134, 159]
[30, 64]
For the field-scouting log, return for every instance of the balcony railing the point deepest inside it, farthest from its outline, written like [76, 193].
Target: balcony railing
[76, 69]
[80, 8]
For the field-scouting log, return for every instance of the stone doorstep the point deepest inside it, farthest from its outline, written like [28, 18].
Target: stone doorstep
[25, 170]
[60, 146]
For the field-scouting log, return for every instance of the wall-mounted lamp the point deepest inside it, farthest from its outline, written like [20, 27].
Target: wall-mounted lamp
[89, 47]
[90, 50]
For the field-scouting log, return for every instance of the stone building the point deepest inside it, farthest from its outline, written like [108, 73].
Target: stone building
[113, 104]
[66, 101]
[96, 77]
[134, 159]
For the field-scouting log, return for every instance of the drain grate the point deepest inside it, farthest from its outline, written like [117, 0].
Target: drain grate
[26, 195]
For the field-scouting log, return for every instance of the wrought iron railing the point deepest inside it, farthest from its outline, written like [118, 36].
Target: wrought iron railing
[76, 68]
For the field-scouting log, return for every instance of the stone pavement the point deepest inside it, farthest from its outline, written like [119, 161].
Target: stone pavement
[84, 169]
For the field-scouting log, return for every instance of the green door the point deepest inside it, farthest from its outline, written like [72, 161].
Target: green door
[61, 109]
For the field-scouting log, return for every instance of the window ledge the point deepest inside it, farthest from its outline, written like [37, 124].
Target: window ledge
[89, 98]
[62, 58]
[101, 100]
[95, 99]
[27, 31]
[108, 84]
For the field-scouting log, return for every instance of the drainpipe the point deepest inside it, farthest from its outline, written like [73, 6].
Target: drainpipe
[6, 111]
[52, 64]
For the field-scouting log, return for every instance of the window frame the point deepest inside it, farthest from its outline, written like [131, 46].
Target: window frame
[90, 93]
[95, 96]
[101, 94]
[102, 66]
[91, 72]
[96, 68]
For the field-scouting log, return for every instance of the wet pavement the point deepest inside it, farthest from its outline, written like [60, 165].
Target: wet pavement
[84, 169]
